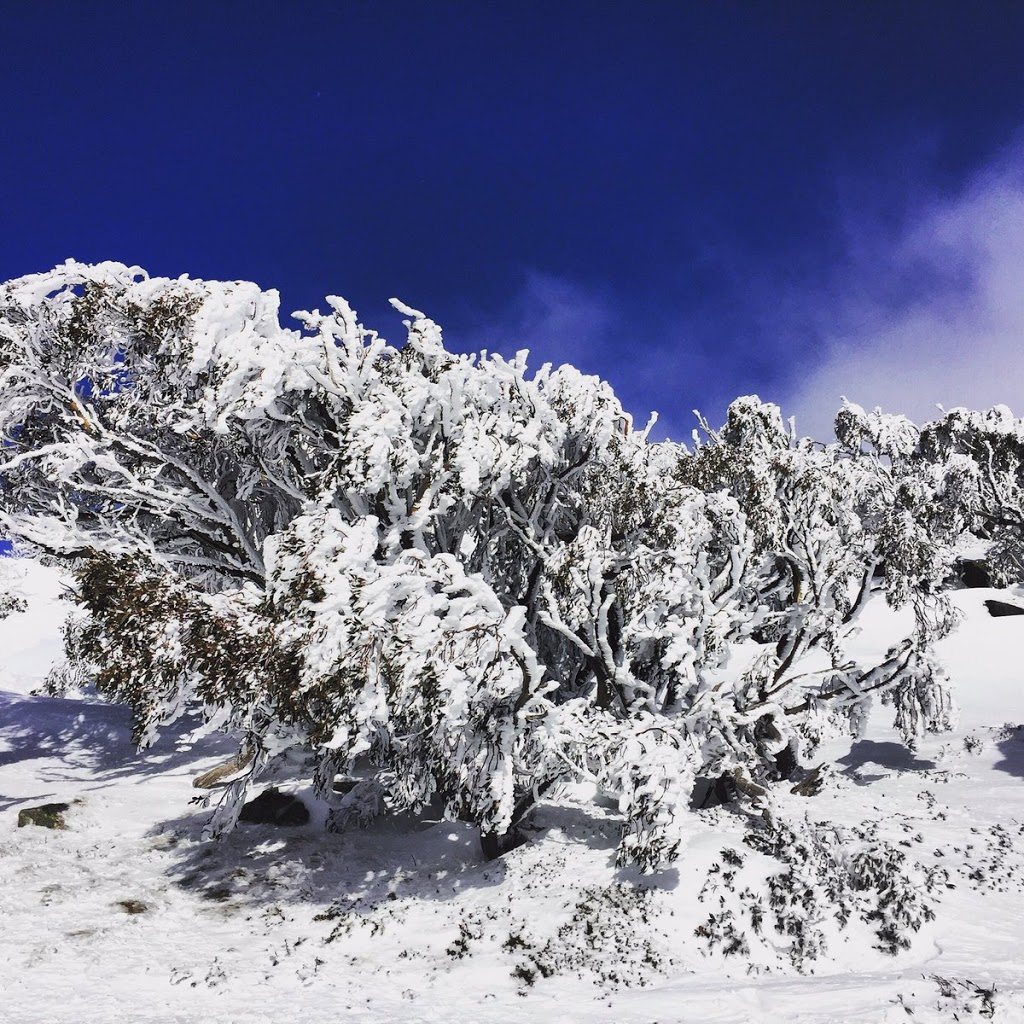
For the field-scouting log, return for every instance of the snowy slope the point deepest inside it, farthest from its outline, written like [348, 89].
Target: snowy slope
[404, 922]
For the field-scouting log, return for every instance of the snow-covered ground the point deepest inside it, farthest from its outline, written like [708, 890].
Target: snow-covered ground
[128, 915]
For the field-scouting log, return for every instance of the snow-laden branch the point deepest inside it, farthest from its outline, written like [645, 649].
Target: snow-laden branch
[459, 578]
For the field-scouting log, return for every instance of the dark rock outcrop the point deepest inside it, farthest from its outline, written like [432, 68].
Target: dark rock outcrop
[45, 815]
[272, 807]
[974, 573]
[997, 609]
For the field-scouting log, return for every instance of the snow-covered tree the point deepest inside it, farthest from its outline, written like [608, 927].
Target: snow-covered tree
[980, 457]
[446, 575]
[12, 595]
[825, 521]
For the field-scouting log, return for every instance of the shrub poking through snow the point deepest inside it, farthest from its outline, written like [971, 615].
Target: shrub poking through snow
[966, 997]
[450, 577]
[833, 874]
[45, 816]
[12, 600]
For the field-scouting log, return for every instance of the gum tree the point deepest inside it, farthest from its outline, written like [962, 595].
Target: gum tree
[445, 575]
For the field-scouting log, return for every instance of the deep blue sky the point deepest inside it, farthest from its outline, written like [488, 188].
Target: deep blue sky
[649, 190]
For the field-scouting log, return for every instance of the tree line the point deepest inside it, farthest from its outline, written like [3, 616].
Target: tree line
[451, 578]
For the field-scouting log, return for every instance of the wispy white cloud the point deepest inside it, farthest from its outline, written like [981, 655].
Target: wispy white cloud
[928, 313]
[906, 310]
[558, 320]
[561, 321]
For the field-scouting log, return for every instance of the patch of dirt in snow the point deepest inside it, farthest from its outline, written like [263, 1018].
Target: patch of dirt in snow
[128, 914]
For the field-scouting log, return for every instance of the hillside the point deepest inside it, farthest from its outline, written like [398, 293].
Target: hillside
[129, 912]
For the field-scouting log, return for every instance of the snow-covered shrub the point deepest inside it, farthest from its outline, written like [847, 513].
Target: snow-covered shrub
[824, 520]
[980, 458]
[12, 579]
[964, 998]
[831, 876]
[446, 575]
[607, 933]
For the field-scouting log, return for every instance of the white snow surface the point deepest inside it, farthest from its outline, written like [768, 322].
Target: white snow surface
[404, 921]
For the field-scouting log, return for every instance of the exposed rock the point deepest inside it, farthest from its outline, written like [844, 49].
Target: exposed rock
[494, 844]
[223, 772]
[217, 893]
[272, 807]
[974, 573]
[811, 785]
[45, 815]
[343, 784]
[999, 608]
[133, 906]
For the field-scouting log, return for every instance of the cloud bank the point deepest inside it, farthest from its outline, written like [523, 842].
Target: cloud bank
[929, 313]
[659, 358]
[906, 311]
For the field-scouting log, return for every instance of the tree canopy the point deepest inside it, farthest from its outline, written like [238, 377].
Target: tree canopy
[457, 579]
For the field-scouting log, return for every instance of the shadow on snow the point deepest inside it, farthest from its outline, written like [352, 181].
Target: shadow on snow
[1010, 743]
[885, 754]
[76, 735]
[394, 857]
